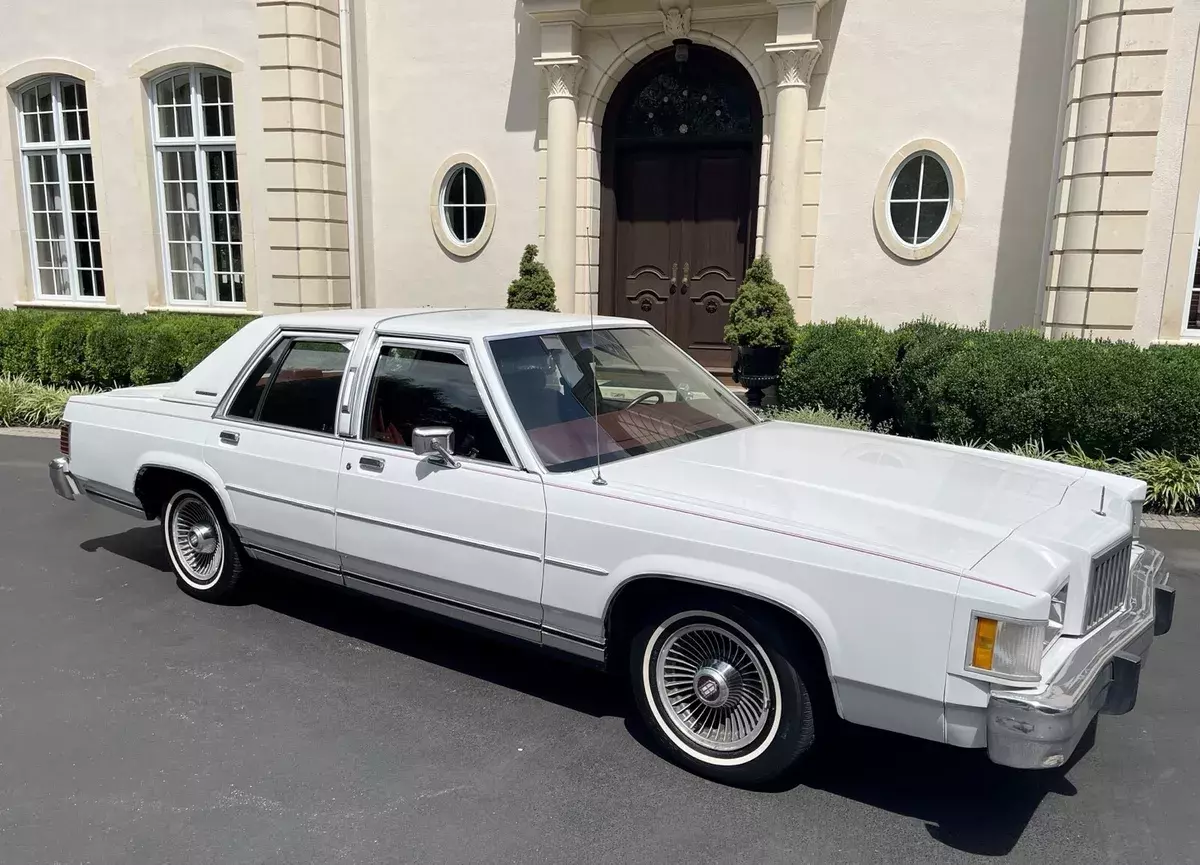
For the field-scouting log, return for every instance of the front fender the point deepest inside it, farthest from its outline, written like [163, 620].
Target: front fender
[740, 580]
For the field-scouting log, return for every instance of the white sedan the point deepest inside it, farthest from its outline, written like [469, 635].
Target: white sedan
[584, 485]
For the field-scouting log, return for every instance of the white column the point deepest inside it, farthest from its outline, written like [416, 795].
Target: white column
[794, 62]
[562, 131]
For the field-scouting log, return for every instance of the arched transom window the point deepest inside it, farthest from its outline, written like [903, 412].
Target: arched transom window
[60, 189]
[199, 200]
[689, 100]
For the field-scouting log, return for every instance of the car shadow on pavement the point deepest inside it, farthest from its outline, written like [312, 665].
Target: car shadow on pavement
[509, 663]
[965, 801]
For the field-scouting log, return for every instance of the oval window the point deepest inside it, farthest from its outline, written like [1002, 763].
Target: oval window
[919, 199]
[464, 204]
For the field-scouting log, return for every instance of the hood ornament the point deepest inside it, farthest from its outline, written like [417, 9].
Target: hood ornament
[1100, 510]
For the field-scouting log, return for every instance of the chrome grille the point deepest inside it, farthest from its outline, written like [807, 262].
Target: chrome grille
[1108, 586]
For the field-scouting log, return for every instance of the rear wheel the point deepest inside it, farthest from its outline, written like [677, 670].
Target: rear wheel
[202, 546]
[724, 692]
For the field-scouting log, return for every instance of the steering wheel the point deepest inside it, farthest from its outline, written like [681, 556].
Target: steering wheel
[641, 399]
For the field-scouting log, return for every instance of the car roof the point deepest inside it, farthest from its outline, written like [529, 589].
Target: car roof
[457, 323]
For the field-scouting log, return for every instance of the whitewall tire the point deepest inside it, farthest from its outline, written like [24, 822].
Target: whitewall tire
[723, 691]
[203, 550]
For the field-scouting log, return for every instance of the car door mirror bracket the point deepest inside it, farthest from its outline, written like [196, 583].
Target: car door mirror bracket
[435, 444]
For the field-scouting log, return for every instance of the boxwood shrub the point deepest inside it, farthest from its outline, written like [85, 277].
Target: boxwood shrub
[107, 349]
[843, 367]
[938, 381]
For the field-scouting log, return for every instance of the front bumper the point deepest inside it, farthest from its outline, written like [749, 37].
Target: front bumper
[62, 480]
[1039, 729]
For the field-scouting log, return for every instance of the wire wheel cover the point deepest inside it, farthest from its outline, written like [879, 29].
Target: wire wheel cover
[713, 686]
[196, 539]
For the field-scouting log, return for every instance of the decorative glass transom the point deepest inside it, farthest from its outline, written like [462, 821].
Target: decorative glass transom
[689, 100]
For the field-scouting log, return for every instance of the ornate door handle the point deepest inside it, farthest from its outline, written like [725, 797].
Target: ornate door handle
[674, 275]
[686, 267]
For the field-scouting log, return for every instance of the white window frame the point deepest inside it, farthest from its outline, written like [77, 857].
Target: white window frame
[459, 171]
[199, 145]
[437, 210]
[60, 147]
[1192, 333]
[923, 155]
[885, 231]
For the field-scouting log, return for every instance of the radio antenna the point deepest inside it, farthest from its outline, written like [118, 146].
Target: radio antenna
[598, 480]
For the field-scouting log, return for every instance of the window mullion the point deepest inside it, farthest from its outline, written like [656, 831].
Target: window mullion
[210, 280]
[56, 117]
[920, 191]
[68, 214]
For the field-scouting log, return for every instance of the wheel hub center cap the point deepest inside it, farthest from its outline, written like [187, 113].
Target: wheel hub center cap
[202, 539]
[715, 683]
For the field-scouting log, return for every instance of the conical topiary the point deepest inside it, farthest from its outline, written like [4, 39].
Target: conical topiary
[761, 315]
[534, 288]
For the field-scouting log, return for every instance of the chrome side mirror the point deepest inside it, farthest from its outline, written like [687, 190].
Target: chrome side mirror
[436, 444]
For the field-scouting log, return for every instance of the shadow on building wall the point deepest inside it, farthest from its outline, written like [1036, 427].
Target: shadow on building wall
[1030, 177]
[525, 90]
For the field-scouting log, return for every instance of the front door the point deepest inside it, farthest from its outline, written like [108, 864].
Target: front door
[680, 178]
[683, 226]
[463, 540]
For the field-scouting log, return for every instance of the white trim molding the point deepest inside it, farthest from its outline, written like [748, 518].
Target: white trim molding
[184, 55]
[14, 76]
[958, 191]
[440, 230]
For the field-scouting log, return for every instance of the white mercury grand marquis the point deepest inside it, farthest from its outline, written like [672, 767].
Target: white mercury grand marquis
[586, 486]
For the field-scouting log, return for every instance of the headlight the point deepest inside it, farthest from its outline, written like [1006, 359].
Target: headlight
[1058, 613]
[1006, 647]
[1136, 522]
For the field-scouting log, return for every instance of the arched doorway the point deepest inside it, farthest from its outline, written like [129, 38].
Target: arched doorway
[679, 176]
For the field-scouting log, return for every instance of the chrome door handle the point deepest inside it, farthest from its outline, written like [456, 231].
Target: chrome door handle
[674, 275]
[230, 438]
[686, 268]
[370, 464]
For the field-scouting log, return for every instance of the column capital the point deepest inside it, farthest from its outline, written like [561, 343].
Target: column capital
[562, 74]
[794, 61]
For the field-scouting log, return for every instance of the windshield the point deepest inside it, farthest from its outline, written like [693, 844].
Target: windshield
[651, 395]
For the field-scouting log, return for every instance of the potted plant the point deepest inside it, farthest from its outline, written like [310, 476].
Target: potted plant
[762, 328]
[534, 288]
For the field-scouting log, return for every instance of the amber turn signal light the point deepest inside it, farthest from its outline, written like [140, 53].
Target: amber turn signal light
[985, 643]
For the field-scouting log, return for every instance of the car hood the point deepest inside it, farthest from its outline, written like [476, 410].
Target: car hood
[928, 502]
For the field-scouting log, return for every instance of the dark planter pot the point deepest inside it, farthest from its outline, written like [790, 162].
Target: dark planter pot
[757, 367]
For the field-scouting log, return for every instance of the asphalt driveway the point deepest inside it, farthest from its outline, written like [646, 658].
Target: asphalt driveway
[310, 725]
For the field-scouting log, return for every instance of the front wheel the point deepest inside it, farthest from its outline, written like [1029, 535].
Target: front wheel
[724, 692]
[200, 542]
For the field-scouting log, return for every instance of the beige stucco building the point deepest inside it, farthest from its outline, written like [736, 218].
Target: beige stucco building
[1008, 162]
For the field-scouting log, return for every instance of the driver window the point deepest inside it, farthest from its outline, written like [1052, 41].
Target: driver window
[415, 387]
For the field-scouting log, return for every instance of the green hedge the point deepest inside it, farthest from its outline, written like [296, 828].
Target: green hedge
[107, 349]
[937, 381]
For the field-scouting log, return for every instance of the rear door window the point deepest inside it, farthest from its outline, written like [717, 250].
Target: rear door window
[296, 385]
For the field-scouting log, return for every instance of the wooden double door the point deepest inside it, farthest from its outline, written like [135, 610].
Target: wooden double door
[682, 234]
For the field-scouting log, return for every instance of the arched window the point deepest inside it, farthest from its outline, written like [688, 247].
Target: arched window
[199, 202]
[689, 100]
[60, 189]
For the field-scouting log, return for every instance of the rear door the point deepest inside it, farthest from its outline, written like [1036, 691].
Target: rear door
[276, 449]
[465, 541]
